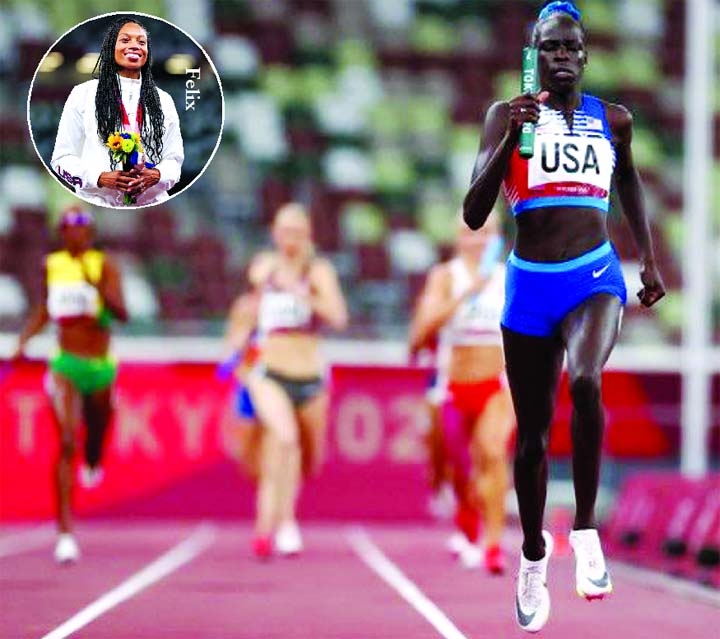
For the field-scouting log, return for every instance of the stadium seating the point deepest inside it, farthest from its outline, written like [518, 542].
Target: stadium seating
[369, 113]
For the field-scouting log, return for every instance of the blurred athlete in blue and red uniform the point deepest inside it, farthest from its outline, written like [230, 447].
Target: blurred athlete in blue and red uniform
[241, 336]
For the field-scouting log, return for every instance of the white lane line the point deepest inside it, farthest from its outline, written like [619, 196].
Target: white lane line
[32, 539]
[660, 581]
[201, 538]
[379, 563]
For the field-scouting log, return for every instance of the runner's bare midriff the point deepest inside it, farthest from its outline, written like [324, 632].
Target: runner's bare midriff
[296, 355]
[84, 337]
[475, 363]
[574, 231]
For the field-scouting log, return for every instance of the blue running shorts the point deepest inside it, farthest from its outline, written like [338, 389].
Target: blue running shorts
[243, 403]
[538, 295]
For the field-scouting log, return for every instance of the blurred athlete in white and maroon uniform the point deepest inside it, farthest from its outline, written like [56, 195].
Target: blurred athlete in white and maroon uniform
[299, 292]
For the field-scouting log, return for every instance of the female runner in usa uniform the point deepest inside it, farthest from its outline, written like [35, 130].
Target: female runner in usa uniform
[565, 290]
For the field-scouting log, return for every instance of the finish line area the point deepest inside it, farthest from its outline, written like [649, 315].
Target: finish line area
[184, 579]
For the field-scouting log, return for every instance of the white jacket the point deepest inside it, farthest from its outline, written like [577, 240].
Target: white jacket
[79, 156]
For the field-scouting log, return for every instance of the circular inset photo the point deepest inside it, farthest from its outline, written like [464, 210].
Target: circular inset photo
[126, 110]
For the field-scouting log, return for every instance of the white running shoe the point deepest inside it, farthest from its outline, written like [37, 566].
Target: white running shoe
[532, 599]
[441, 504]
[66, 549]
[288, 540]
[592, 579]
[456, 543]
[91, 477]
[471, 556]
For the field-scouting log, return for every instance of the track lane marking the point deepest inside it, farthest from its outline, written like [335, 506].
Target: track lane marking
[184, 552]
[381, 565]
[669, 584]
[17, 543]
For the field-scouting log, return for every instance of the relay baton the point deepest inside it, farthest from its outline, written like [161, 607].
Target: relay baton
[529, 84]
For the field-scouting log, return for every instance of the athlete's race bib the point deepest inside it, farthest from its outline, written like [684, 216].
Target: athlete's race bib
[584, 161]
[73, 299]
[479, 315]
[283, 310]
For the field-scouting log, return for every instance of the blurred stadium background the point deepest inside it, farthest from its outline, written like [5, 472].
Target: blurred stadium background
[368, 111]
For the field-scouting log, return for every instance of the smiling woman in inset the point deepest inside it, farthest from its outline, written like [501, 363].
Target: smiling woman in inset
[123, 97]
[565, 290]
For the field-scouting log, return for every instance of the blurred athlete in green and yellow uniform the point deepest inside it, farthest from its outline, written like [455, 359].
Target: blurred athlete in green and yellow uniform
[82, 294]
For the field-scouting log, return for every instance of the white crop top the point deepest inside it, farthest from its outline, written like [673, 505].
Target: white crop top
[477, 319]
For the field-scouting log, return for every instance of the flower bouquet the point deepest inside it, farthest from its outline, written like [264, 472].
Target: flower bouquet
[126, 148]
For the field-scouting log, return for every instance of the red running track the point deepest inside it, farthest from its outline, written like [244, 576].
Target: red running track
[208, 586]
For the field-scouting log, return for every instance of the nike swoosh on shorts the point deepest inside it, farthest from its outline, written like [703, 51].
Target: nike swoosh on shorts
[597, 273]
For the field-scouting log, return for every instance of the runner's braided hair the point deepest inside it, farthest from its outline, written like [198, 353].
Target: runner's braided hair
[107, 97]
